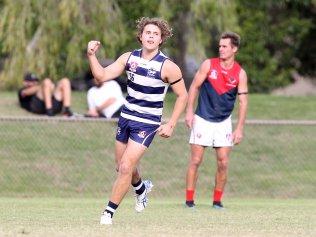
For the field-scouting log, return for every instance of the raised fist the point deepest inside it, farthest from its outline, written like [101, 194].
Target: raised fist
[93, 47]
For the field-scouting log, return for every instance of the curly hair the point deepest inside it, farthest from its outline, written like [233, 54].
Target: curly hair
[166, 30]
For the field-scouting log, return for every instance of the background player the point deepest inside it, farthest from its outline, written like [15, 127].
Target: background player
[218, 82]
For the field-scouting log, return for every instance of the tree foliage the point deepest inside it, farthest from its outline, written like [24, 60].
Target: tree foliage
[197, 26]
[50, 37]
[273, 32]
[133, 10]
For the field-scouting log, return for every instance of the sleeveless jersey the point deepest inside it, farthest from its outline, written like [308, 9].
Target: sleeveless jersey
[218, 92]
[145, 88]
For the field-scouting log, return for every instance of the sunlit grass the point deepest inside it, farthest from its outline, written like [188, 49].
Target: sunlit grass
[162, 217]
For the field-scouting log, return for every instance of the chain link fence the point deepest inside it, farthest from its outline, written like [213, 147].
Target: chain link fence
[65, 157]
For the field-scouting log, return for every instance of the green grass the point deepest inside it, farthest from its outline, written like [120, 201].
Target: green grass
[162, 217]
[260, 106]
[67, 159]
[53, 175]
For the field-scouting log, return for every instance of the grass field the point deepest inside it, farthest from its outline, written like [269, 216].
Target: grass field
[66, 159]
[163, 217]
[260, 106]
[53, 175]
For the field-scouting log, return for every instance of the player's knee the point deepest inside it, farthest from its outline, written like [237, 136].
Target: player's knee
[195, 161]
[125, 168]
[222, 164]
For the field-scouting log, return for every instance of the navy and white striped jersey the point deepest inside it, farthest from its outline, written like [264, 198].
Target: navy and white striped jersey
[145, 88]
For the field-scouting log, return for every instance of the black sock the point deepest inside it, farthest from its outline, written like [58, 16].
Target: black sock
[138, 183]
[139, 187]
[111, 208]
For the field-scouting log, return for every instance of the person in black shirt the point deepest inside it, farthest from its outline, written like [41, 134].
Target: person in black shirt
[44, 97]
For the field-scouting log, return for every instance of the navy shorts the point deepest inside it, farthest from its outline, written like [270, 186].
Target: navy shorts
[142, 133]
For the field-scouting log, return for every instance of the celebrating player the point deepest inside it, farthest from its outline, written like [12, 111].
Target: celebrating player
[149, 73]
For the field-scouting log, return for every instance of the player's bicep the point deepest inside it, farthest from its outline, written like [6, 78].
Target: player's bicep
[173, 75]
[201, 74]
[243, 89]
[115, 69]
[243, 84]
[179, 88]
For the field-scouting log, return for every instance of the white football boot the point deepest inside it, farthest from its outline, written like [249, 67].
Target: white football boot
[106, 219]
[142, 199]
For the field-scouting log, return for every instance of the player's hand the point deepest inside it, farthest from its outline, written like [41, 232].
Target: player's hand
[93, 47]
[189, 119]
[165, 130]
[237, 136]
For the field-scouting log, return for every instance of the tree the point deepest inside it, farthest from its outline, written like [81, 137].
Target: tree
[272, 33]
[197, 26]
[50, 37]
[133, 10]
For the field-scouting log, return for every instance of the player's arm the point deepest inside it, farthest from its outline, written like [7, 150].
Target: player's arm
[243, 104]
[172, 74]
[110, 72]
[199, 78]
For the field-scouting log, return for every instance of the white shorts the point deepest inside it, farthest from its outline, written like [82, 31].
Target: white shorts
[214, 134]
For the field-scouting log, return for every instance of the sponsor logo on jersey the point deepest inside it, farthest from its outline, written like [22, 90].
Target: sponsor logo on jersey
[142, 134]
[118, 131]
[133, 66]
[213, 74]
[151, 72]
[231, 82]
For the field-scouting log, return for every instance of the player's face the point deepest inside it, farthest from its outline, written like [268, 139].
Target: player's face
[151, 37]
[226, 49]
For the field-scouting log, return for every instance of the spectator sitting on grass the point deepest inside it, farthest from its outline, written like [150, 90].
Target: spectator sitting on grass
[44, 97]
[105, 99]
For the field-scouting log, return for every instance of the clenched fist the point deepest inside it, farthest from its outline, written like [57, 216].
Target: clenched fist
[93, 47]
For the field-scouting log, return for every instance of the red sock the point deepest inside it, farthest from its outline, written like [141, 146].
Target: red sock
[189, 195]
[217, 196]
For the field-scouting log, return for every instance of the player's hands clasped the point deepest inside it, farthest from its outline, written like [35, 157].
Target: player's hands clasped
[93, 47]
